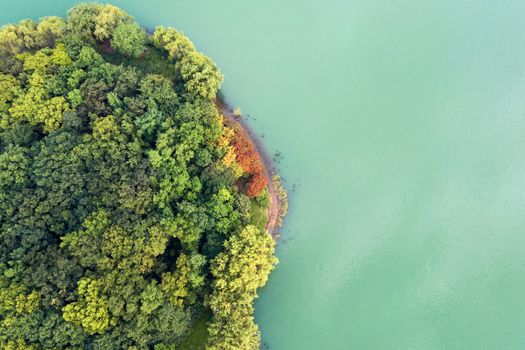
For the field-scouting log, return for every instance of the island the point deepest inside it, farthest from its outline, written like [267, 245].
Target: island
[137, 209]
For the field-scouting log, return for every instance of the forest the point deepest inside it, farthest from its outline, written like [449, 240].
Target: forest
[131, 212]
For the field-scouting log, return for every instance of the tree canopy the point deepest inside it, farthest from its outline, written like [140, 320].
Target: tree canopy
[129, 39]
[124, 217]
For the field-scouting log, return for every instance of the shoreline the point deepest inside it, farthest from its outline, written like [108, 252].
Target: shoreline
[275, 207]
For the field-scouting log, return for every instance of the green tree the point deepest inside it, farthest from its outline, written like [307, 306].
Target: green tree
[50, 29]
[50, 113]
[11, 42]
[81, 20]
[183, 286]
[108, 19]
[129, 39]
[243, 267]
[95, 21]
[91, 309]
[201, 76]
[9, 89]
[174, 42]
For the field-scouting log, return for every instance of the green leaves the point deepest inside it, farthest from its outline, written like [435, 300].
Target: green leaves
[201, 76]
[90, 310]
[243, 267]
[88, 58]
[28, 35]
[151, 298]
[33, 105]
[158, 89]
[95, 21]
[174, 42]
[9, 89]
[129, 39]
[14, 165]
[184, 286]
[50, 113]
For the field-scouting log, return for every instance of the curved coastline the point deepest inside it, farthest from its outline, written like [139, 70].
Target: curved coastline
[276, 206]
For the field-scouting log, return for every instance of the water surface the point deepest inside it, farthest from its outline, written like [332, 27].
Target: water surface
[402, 126]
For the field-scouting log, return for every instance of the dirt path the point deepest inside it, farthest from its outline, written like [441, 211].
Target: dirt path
[274, 207]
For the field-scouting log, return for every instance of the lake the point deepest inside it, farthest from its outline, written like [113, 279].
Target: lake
[401, 127]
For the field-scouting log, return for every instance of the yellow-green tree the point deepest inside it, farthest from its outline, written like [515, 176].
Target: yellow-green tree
[238, 272]
[174, 42]
[9, 89]
[201, 76]
[129, 39]
[95, 21]
[91, 308]
[183, 286]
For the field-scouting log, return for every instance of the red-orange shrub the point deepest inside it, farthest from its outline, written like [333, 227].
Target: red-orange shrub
[256, 184]
[250, 162]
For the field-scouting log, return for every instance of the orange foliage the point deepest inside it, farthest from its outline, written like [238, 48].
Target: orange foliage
[250, 162]
[256, 184]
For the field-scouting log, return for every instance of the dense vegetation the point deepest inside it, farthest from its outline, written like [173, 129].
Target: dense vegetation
[124, 218]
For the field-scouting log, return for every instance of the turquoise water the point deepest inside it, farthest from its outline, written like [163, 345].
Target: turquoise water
[402, 129]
